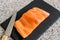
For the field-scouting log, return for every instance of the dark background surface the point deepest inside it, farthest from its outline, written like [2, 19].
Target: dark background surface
[54, 15]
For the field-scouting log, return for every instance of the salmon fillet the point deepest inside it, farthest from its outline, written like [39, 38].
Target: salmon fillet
[30, 20]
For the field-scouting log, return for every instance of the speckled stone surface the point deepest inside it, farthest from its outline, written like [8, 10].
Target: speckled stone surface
[54, 3]
[53, 33]
[7, 7]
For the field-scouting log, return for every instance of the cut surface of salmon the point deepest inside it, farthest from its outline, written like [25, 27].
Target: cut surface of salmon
[30, 20]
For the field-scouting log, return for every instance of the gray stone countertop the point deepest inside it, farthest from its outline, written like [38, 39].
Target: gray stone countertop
[53, 33]
[8, 6]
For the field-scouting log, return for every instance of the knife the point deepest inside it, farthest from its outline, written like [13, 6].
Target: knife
[8, 31]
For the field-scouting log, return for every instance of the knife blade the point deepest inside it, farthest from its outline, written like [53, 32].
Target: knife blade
[9, 28]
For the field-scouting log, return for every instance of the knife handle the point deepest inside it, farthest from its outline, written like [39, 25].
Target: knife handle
[4, 37]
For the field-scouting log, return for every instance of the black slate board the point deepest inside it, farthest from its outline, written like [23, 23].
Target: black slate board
[54, 15]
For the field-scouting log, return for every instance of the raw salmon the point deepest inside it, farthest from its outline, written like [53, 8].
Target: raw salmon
[30, 20]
